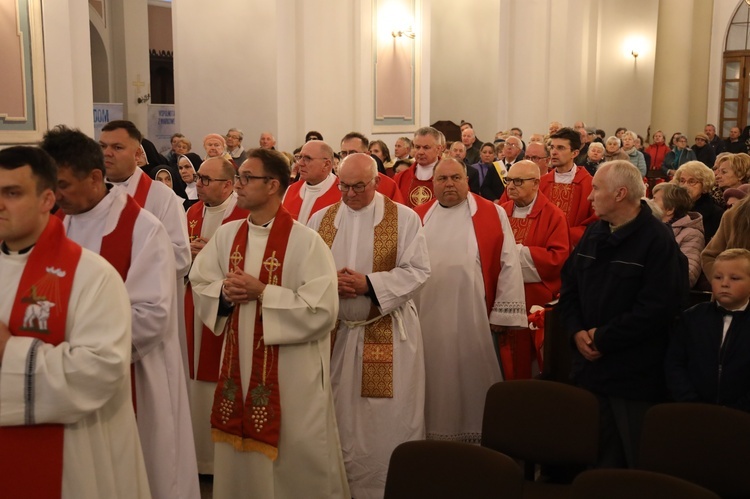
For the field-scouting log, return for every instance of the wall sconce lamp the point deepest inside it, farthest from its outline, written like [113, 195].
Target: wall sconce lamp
[408, 33]
[143, 99]
[634, 53]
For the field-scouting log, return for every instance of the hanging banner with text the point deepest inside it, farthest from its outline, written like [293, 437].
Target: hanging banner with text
[161, 126]
[103, 114]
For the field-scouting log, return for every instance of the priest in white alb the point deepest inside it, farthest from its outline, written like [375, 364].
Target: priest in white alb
[67, 427]
[120, 141]
[105, 220]
[476, 287]
[377, 366]
[217, 205]
[268, 285]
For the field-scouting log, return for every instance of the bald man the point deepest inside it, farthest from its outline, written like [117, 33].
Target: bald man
[543, 239]
[317, 187]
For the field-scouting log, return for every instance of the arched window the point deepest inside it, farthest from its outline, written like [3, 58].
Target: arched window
[735, 88]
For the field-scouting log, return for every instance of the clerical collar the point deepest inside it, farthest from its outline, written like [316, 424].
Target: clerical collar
[4, 248]
[567, 177]
[454, 206]
[523, 211]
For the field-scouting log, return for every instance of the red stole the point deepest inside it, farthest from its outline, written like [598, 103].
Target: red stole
[255, 424]
[141, 191]
[117, 247]
[32, 456]
[209, 359]
[489, 233]
[293, 200]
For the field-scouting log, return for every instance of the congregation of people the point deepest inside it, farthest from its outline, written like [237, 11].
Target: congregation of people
[282, 321]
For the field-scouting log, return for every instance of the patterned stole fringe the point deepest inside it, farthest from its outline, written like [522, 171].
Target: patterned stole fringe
[377, 354]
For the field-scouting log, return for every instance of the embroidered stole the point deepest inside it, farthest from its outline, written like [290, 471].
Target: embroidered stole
[562, 196]
[32, 455]
[141, 191]
[209, 359]
[252, 425]
[377, 353]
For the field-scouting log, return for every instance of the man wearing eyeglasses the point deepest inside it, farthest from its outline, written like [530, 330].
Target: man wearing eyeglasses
[217, 205]
[355, 142]
[536, 152]
[268, 285]
[543, 240]
[512, 151]
[106, 220]
[568, 186]
[316, 187]
[377, 365]
[234, 145]
[475, 287]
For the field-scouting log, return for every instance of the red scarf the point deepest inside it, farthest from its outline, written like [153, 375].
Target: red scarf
[255, 424]
[209, 359]
[32, 456]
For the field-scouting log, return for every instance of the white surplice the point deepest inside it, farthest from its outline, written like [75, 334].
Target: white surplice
[298, 316]
[460, 359]
[370, 428]
[163, 411]
[167, 206]
[83, 383]
[202, 392]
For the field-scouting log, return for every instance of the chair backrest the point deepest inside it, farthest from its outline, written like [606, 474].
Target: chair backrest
[544, 422]
[705, 444]
[627, 484]
[448, 470]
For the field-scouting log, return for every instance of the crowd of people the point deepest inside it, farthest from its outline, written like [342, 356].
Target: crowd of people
[293, 317]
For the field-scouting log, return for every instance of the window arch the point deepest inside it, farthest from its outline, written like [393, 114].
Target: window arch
[735, 85]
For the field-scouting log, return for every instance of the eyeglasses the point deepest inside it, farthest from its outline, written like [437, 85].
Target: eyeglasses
[344, 154]
[303, 160]
[237, 137]
[535, 158]
[689, 181]
[360, 187]
[245, 178]
[518, 182]
[205, 180]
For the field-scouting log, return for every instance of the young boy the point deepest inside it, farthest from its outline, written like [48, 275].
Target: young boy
[709, 354]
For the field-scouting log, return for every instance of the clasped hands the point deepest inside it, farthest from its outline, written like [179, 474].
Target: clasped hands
[351, 283]
[585, 344]
[240, 287]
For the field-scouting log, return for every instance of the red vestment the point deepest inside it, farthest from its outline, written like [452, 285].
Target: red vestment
[415, 192]
[572, 199]
[293, 199]
[210, 354]
[388, 188]
[545, 232]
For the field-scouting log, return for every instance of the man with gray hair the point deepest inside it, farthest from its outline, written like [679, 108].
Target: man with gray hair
[415, 183]
[234, 146]
[622, 287]
[377, 363]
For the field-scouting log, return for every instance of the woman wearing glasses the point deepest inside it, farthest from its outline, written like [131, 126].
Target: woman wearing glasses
[698, 180]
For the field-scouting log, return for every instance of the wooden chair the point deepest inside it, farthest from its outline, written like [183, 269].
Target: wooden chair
[433, 469]
[542, 422]
[628, 484]
[706, 444]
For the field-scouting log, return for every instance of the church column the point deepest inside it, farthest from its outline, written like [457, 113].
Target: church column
[682, 60]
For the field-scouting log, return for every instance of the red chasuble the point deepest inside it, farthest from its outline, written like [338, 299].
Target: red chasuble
[388, 188]
[572, 199]
[415, 192]
[209, 359]
[545, 232]
[252, 425]
[32, 456]
[489, 233]
[293, 201]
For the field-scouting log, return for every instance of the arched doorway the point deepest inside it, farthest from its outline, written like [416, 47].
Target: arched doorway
[99, 66]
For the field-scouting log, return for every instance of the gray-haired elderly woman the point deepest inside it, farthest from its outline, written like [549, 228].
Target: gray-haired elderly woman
[679, 155]
[698, 180]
